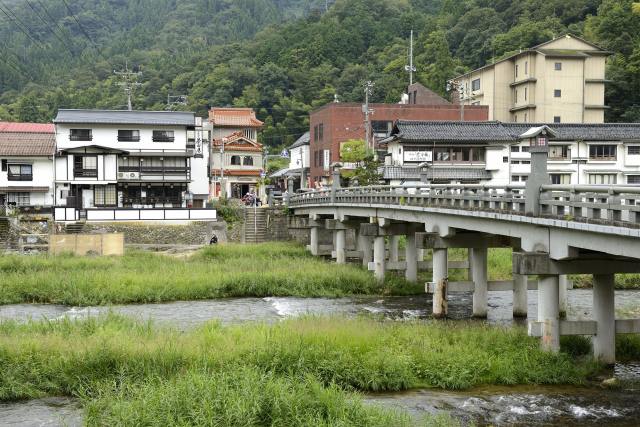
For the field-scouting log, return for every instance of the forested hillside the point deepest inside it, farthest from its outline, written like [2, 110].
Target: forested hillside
[285, 57]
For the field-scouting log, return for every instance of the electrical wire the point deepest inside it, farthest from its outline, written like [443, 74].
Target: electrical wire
[83, 31]
[49, 27]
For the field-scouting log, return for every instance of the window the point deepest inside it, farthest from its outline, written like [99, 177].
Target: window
[525, 148]
[18, 199]
[633, 179]
[475, 84]
[526, 67]
[516, 70]
[525, 94]
[321, 131]
[557, 93]
[519, 178]
[247, 161]
[605, 178]
[505, 159]
[525, 117]
[526, 162]
[235, 160]
[556, 119]
[558, 66]
[515, 148]
[315, 133]
[633, 150]
[459, 154]
[516, 95]
[85, 166]
[381, 128]
[602, 152]
[80, 135]
[560, 178]
[4, 165]
[105, 195]
[558, 152]
[415, 96]
[129, 135]
[20, 173]
[162, 136]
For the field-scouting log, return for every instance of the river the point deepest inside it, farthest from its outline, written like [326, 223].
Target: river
[483, 406]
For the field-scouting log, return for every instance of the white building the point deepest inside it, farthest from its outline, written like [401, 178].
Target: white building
[26, 155]
[129, 159]
[299, 164]
[491, 152]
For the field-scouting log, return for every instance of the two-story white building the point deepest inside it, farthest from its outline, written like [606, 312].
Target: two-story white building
[128, 159]
[26, 155]
[492, 152]
[299, 164]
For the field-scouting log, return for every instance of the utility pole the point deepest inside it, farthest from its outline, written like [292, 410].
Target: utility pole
[368, 91]
[129, 82]
[410, 68]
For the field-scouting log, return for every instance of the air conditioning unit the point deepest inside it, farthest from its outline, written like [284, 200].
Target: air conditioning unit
[128, 175]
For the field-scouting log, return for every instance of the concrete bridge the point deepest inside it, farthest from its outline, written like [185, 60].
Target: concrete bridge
[554, 230]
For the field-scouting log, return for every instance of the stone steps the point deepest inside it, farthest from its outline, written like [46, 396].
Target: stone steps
[255, 225]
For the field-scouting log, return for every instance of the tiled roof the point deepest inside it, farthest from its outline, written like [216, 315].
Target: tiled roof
[27, 127]
[400, 172]
[447, 131]
[245, 117]
[457, 173]
[305, 139]
[124, 117]
[237, 141]
[27, 144]
[496, 132]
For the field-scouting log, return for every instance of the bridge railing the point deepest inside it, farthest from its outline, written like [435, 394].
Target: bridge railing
[619, 205]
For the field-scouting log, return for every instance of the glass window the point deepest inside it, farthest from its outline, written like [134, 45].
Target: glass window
[602, 152]
[633, 150]
[80, 135]
[105, 195]
[475, 84]
[558, 66]
[247, 161]
[515, 149]
[18, 199]
[315, 133]
[556, 119]
[381, 128]
[163, 136]
[477, 154]
[557, 93]
[633, 179]
[442, 155]
[235, 160]
[321, 131]
[558, 151]
[605, 178]
[526, 67]
[560, 178]
[129, 135]
[516, 70]
[525, 148]
[19, 173]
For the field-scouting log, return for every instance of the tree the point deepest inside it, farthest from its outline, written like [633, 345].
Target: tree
[440, 65]
[366, 170]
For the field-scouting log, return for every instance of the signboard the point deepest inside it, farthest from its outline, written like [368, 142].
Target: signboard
[327, 159]
[418, 156]
[284, 154]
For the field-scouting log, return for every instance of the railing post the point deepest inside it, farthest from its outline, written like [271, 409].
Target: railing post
[539, 149]
[575, 198]
[614, 210]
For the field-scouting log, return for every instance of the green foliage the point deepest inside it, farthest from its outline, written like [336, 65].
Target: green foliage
[223, 270]
[230, 210]
[366, 170]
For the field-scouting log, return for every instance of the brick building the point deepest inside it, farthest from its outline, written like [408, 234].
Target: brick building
[335, 123]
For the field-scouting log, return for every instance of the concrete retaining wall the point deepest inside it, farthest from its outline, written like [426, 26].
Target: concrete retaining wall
[195, 233]
[87, 244]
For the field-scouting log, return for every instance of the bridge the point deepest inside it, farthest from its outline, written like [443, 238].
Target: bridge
[554, 230]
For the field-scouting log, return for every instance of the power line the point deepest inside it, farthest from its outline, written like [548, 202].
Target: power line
[49, 27]
[83, 30]
[18, 23]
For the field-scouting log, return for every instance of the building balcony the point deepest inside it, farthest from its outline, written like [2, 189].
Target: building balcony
[85, 173]
[128, 138]
[19, 177]
[80, 138]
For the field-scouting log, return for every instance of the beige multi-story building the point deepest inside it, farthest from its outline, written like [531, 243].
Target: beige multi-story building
[560, 81]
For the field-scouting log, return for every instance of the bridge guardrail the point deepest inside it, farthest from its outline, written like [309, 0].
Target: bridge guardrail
[616, 205]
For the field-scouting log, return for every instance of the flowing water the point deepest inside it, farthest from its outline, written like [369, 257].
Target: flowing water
[490, 405]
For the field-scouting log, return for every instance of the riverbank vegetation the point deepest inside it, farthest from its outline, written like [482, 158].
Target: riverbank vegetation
[232, 270]
[301, 371]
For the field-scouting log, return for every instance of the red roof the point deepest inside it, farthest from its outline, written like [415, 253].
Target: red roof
[234, 117]
[27, 127]
[237, 141]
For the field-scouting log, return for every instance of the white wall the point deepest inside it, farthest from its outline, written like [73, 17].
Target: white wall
[299, 157]
[42, 170]
[199, 178]
[107, 136]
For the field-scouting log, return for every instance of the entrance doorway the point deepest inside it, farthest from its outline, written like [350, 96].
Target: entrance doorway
[238, 191]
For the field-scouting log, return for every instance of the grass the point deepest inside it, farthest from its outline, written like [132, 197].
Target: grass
[271, 269]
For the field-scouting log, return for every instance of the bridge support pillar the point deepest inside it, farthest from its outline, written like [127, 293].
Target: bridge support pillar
[313, 240]
[366, 246]
[340, 245]
[563, 303]
[440, 280]
[394, 243]
[520, 307]
[411, 258]
[478, 264]
[379, 258]
[548, 312]
[604, 342]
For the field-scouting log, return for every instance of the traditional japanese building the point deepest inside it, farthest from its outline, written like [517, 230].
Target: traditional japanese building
[237, 163]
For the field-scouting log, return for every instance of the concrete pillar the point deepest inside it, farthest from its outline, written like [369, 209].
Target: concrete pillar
[440, 280]
[548, 312]
[411, 257]
[470, 269]
[341, 246]
[478, 263]
[379, 258]
[604, 342]
[562, 295]
[313, 240]
[366, 246]
[520, 303]
[394, 242]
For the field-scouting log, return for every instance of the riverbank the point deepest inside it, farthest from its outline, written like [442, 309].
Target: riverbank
[231, 270]
[131, 373]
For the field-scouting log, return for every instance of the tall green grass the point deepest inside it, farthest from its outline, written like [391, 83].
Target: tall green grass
[272, 269]
[51, 358]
